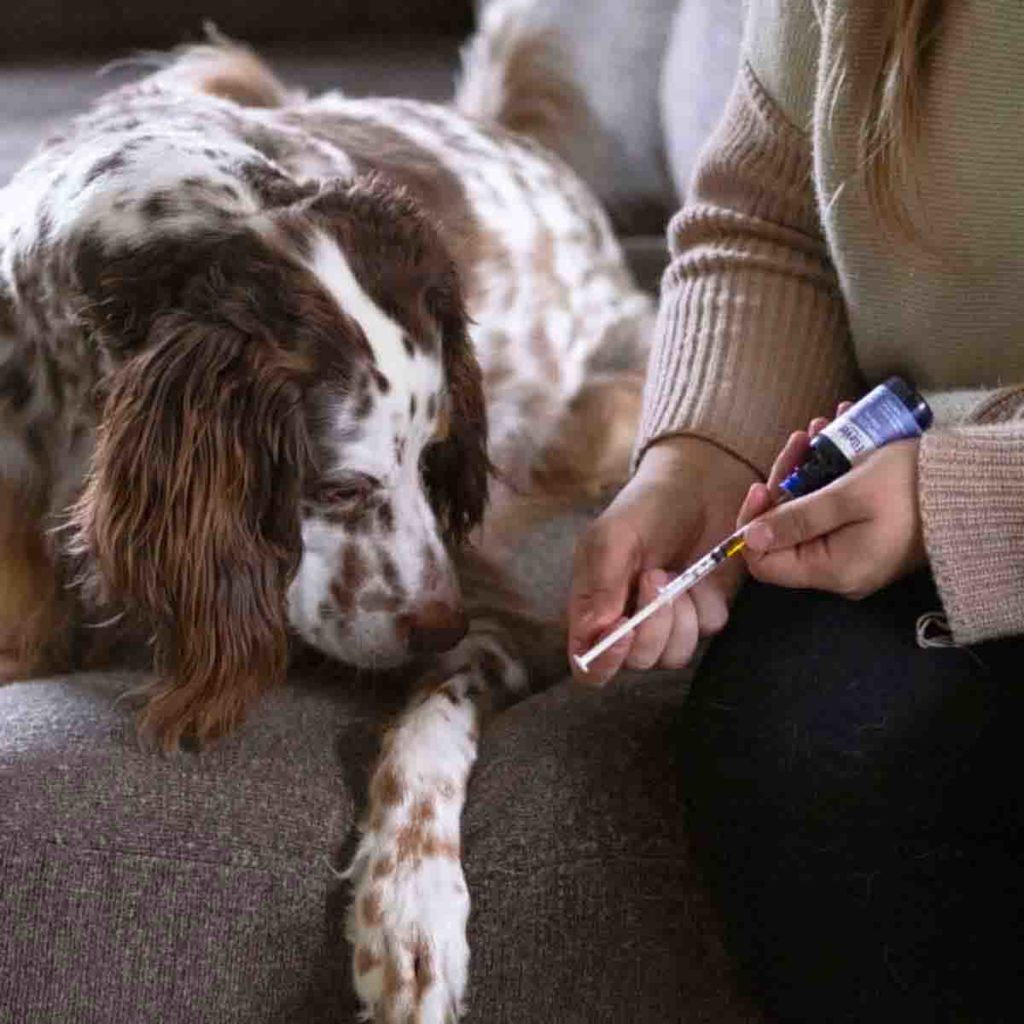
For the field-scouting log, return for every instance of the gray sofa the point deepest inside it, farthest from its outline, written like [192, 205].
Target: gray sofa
[137, 888]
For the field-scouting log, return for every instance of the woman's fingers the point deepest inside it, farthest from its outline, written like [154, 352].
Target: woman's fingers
[793, 453]
[803, 520]
[669, 638]
[604, 565]
[651, 636]
[685, 632]
[757, 501]
[608, 664]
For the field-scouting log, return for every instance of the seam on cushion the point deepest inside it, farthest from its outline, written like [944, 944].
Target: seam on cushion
[7, 846]
[574, 862]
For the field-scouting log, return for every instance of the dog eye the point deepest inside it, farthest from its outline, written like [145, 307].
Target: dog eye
[345, 490]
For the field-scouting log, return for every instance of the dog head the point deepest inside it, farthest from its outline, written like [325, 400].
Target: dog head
[400, 434]
[293, 434]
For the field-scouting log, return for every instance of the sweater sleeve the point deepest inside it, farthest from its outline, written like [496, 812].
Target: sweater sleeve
[751, 340]
[971, 487]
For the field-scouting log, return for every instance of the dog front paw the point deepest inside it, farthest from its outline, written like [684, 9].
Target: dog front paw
[407, 926]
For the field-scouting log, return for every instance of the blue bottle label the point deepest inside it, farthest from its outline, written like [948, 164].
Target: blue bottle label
[878, 418]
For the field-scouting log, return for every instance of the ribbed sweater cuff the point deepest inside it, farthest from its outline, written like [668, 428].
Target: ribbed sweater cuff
[972, 508]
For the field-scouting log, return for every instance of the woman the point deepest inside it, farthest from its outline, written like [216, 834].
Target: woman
[858, 212]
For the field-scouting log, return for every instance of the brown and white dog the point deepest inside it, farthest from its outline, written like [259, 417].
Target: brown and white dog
[247, 342]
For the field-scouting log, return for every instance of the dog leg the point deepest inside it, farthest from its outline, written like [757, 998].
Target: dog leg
[408, 919]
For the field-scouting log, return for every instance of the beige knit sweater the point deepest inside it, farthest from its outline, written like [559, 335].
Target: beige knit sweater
[785, 295]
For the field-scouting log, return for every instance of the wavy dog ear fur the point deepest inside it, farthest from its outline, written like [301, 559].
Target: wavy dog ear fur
[191, 514]
[457, 471]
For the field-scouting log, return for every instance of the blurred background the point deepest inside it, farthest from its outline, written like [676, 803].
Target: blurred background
[52, 51]
[654, 73]
[77, 27]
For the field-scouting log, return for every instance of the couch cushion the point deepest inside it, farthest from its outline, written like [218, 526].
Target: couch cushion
[199, 886]
[587, 905]
[202, 887]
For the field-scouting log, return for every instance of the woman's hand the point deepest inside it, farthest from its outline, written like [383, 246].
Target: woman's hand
[680, 503]
[853, 537]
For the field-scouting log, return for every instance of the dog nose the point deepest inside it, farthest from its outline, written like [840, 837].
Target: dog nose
[436, 626]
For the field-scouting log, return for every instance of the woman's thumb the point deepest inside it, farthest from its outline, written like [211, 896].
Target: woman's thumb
[604, 564]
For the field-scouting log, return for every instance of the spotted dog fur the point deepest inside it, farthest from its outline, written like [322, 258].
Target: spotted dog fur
[259, 355]
[407, 921]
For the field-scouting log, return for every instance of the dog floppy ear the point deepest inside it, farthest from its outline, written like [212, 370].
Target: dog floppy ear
[191, 513]
[456, 471]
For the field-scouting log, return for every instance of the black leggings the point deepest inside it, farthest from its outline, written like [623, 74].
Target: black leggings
[855, 804]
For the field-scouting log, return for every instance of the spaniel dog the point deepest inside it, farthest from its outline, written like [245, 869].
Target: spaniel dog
[259, 357]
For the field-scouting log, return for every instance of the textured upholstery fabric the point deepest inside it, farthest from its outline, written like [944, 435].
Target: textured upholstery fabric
[140, 888]
[587, 908]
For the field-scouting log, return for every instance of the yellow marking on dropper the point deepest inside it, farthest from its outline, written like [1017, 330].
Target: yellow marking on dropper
[735, 545]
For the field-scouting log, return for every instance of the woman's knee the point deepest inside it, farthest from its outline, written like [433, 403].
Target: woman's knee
[811, 705]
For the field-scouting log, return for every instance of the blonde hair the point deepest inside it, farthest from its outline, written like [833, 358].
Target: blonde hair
[891, 129]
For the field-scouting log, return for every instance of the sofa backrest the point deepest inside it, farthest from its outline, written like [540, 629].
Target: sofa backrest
[35, 28]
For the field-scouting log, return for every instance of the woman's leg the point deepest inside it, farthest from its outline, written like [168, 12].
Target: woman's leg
[854, 802]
